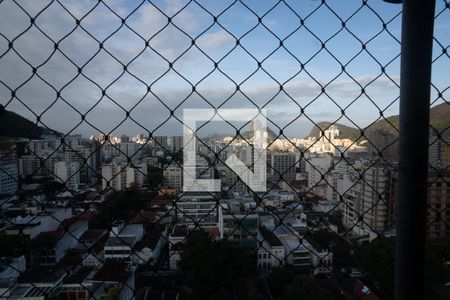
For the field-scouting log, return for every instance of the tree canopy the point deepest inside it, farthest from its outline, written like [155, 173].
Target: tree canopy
[214, 266]
[121, 205]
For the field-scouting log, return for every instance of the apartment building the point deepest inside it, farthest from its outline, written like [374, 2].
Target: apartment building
[283, 165]
[119, 175]
[438, 206]
[68, 173]
[9, 176]
[369, 203]
[173, 176]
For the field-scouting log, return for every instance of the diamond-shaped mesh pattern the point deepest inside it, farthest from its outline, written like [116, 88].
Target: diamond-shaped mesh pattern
[106, 217]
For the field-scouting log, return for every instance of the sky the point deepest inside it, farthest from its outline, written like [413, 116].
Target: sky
[149, 89]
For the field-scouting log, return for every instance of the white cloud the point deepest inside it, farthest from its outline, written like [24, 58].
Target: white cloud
[104, 70]
[214, 40]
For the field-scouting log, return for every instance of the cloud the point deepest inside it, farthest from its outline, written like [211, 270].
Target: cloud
[146, 67]
[374, 86]
[214, 40]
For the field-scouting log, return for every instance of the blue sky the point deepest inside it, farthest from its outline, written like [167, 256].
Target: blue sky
[279, 66]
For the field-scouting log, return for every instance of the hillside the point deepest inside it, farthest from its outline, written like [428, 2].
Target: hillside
[271, 135]
[439, 118]
[345, 132]
[14, 125]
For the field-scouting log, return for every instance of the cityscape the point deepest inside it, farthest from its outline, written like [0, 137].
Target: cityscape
[108, 213]
[97, 201]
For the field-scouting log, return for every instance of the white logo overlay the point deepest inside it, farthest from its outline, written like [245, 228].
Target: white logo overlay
[255, 180]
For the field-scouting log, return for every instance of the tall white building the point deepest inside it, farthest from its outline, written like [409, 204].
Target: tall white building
[378, 198]
[173, 176]
[38, 165]
[113, 176]
[136, 174]
[174, 143]
[352, 207]
[36, 147]
[68, 172]
[87, 154]
[339, 180]
[130, 150]
[120, 175]
[369, 202]
[317, 165]
[9, 175]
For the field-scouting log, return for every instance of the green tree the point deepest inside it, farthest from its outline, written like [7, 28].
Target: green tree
[335, 217]
[215, 266]
[52, 187]
[121, 205]
[305, 290]
[377, 257]
[154, 177]
[435, 270]
[14, 245]
[279, 278]
[342, 250]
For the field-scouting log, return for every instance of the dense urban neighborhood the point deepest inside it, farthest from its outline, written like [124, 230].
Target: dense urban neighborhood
[224, 150]
[107, 217]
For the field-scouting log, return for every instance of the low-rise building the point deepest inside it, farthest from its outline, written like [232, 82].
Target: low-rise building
[301, 254]
[91, 247]
[53, 245]
[114, 279]
[10, 270]
[271, 251]
[121, 242]
[148, 249]
[176, 245]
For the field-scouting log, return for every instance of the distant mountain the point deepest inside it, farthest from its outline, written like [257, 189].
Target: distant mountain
[271, 135]
[345, 132]
[440, 116]
[14, 125]
[439, 119]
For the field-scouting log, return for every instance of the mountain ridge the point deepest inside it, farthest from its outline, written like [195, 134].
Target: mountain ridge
[439, 119]
[14, 125]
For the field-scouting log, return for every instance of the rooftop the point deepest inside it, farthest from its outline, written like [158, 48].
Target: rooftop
[42, 274]
[150, 238]
[70, 259]
[179, 231]
[130, 230]
[146, 216]
[120, 241]
[99, 245]
[270, 237]
[79, 275]
[112, 272]
[92, 234]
